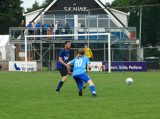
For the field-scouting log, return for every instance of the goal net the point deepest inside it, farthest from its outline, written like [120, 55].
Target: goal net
[96, 38]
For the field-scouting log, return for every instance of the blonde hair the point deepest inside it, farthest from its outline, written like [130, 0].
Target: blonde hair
[81, 52]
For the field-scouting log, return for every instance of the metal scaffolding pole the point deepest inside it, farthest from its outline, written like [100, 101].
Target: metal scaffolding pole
[140, 27]
[49, 56]
[104, 52]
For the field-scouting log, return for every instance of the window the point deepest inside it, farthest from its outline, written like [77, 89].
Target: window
[81, 23]
[81, 16]
[92, 21]
[102, 16]
[60, 19]
[48, 16]
[69, 16]
[59, 16]
[103, 23]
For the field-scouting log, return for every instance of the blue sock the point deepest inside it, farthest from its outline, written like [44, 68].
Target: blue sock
[92, 89]
[60, 84]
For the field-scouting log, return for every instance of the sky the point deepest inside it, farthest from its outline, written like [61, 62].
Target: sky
[28, 3]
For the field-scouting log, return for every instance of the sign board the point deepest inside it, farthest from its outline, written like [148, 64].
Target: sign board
[126, 66]
[21, 54]
[20, 66]
[96, 66]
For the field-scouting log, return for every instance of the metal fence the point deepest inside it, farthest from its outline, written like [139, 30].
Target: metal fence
[117, 54]
[124, 34]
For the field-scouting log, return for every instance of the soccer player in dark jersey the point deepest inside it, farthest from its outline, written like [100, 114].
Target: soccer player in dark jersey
[63, 59]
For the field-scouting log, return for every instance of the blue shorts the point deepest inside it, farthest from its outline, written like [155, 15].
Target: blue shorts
[84, 77]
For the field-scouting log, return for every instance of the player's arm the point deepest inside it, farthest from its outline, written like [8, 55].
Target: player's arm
[69, 64]
[61, 61]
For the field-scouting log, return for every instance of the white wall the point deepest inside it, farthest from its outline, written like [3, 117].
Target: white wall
[30, 16]
[123, 17]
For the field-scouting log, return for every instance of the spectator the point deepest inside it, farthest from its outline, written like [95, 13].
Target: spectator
[22, 25]
[33, 26]
[45, 28]
[29, 25]
[50, 30]
[38, 27]
[57, 27]
[67, 28]
[30, 32]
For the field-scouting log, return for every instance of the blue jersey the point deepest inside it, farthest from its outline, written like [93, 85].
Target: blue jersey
[65, 55]
[29, 25]
[45, 26]
[80, 65]
[38, 26]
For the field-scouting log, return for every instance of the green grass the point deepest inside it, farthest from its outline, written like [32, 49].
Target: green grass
[32, 96]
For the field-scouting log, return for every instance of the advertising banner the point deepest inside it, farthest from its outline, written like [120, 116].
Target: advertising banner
[126, 66]
[20, 66]
[96, 66]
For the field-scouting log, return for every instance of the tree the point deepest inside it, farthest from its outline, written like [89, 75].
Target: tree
[10, 14]
[46, 3]
[150, 18]
[35, 6]
[108, 4]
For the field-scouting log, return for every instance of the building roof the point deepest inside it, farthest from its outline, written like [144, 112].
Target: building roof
[99, 4]
[32, 12]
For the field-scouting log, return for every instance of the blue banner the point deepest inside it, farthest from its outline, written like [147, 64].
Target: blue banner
[126, 66]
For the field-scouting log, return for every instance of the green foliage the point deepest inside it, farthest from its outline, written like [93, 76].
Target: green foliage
[10, 14]
[150, 18]
[46, 3]
[35, 6]
[152, 52]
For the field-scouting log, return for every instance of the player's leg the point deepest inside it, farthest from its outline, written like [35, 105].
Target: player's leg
[63, 73]
[92, 87]
[79, 84]
[88, 80]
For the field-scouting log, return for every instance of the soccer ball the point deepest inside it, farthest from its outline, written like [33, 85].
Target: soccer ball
[129, 81]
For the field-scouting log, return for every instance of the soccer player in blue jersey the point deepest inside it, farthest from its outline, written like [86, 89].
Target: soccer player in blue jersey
[63, 59]
[79, 71]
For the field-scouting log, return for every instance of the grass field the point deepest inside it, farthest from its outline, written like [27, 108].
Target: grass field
[32, 96]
